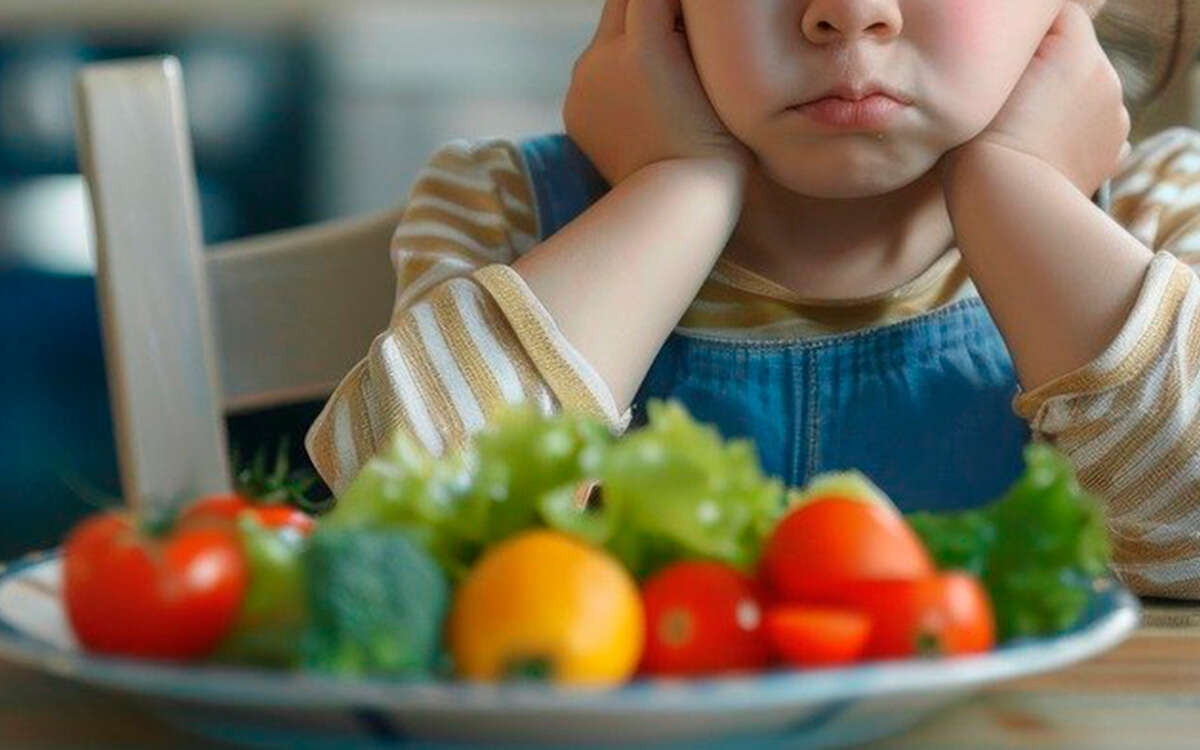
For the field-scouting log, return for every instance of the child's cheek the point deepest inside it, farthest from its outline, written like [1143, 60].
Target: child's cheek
[963, 31]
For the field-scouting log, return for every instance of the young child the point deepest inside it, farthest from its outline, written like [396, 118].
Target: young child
[914, 285]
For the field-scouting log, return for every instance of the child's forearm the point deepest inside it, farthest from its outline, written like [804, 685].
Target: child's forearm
[1059, 276]
[618, 278]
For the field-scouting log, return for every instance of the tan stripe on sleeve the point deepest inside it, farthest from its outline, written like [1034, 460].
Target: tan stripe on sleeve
[433, 391]
[1141, 338]
[1138, 447]
[572, 379]
[475, 370]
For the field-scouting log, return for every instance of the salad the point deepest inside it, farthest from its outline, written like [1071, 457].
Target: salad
[550, 549]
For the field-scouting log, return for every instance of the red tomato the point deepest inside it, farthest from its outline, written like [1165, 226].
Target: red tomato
[817, 636]
[702, 618]
[822, 544]
[171, 598]
[229, 507]
[944, 614]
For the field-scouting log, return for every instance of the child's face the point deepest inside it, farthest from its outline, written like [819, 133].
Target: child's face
[957, 61]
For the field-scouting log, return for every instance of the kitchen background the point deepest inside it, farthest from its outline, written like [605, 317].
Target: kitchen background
[300, 111]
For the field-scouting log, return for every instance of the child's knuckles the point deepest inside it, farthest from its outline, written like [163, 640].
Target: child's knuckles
[646, 54]
[582, 68]
[1075, 18]
[1112, 77]
[1103, 82]
[1125, 124]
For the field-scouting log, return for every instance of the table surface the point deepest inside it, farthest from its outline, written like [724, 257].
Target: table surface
[1145, 693]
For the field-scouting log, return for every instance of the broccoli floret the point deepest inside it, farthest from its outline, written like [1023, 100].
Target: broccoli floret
[377, 603]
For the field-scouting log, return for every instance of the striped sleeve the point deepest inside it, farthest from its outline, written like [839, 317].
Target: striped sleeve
[466, 334]
[1130, 419]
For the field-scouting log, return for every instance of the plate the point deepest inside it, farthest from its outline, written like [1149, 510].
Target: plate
[775, 709]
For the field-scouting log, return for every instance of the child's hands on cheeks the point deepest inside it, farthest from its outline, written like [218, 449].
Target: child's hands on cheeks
[635, 97]
[1067, 109]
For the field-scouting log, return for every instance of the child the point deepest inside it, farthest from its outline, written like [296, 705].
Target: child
[915, 285]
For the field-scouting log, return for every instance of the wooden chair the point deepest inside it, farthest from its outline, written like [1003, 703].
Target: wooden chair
[191, 334]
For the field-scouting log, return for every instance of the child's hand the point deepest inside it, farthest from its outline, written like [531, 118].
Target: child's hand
[1066, 110]
[635, 97]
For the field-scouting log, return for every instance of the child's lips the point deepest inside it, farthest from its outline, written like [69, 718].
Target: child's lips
[872, 112]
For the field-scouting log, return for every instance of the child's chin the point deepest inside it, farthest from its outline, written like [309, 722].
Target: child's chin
[848, 183]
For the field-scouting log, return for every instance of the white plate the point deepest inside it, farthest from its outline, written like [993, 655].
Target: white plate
[778, 709]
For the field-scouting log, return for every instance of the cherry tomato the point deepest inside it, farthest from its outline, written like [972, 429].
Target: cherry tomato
[817, 636]
[944, 614]
[828, 541]
[702, 618]
[226, 508]
[129, 593]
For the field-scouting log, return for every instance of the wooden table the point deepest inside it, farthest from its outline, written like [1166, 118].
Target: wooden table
[1145, 694]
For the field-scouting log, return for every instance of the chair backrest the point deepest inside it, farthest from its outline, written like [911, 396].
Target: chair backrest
[191, 334]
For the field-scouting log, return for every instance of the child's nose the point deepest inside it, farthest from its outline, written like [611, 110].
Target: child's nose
[830, 21]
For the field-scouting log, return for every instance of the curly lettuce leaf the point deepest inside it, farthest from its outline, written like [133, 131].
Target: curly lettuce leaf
[460, 504]
[676, 490]
[1038, 549]
[669, 491]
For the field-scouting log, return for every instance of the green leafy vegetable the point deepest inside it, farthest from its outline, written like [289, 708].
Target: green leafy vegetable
[460, 504]
[1038, 548]
[674, 490]
[671, 490]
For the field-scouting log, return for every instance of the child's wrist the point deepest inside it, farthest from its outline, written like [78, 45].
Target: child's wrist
[972, 157]
[732, 165]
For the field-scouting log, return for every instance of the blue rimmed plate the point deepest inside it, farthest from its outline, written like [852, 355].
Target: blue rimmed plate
[778, 709]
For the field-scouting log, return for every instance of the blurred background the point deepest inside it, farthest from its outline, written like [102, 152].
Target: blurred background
[301, 110]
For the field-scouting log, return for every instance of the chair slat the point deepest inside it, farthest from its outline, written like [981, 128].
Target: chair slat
[295, 310]
[136, 154]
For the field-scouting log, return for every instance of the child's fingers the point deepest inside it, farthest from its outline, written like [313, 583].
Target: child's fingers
[650, 20]
[1073, 20]
[612, 20]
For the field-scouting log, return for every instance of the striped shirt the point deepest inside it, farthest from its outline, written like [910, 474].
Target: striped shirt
[467, 335]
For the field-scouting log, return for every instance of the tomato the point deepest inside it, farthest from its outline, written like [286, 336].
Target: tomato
[228, 507]
[133, 594]
[703, 618]
[944, 614]
[827, 541]
[817, 636]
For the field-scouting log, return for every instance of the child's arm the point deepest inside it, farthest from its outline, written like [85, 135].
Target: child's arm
[1057, 274]
[575, 321]
[618, 278]
[467, 334]
[1104, 331]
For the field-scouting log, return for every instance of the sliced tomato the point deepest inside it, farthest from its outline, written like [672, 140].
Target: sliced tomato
[945, 614]
[227, 507]
[817, 636]
[702, 618]
[816, 548]
[129, 593]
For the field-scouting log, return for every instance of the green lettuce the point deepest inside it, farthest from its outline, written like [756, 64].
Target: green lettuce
[1038, 549]
[669, 491]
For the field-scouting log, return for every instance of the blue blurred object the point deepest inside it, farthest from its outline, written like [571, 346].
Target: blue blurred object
[248, 101]
[54, 419]
[56, 441]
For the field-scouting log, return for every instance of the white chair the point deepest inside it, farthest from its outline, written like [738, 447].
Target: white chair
[192, 334]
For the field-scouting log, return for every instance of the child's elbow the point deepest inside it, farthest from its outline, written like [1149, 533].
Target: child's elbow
[1170, 571]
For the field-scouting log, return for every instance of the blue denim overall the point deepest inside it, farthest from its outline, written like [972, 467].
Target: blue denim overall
[922, 406]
